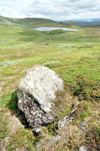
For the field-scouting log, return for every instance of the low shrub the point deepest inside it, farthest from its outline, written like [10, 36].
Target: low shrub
[85, 90]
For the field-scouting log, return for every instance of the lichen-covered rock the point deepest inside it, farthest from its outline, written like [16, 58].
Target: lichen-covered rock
[35, 94]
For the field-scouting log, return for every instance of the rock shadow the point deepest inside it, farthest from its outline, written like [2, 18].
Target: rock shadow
[12, 105]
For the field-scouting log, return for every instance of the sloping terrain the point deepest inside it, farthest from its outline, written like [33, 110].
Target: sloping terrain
[4, 20]
[75, 56]
[26, 21]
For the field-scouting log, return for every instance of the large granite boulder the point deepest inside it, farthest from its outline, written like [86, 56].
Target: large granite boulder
[35, 94]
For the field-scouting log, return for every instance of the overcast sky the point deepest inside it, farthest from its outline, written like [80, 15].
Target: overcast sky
[51, 9]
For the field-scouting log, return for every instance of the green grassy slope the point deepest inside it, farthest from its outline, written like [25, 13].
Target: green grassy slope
[4, 20]
[26, 21]
[75, 56]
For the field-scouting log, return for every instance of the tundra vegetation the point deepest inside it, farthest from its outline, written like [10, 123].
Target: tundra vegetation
[75, 56]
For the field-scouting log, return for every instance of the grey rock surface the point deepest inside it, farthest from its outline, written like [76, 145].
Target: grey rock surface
[35, 94]
[83, 125]
[64, 121]
[82, 148]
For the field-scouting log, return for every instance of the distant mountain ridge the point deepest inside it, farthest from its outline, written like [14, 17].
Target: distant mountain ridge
[85, 22]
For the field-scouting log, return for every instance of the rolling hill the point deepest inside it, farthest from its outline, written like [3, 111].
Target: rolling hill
[4, 20]
[25, 21]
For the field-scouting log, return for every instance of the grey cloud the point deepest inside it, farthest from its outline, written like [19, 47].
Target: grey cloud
[55, 9]
[85, 5]
[62, 9]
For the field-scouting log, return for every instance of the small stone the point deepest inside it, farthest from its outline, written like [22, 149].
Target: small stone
[83, 126]
[38, 144]
[63, 122]
[37, 131]
[82, 148]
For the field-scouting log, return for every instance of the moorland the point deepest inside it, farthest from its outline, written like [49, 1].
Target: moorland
[75, 56]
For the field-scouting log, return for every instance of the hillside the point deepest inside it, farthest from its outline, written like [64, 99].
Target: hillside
[26, 21]
[75, 57]
[4, 20]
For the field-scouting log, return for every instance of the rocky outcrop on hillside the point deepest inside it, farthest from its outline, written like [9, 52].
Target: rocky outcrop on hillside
[35, 94]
